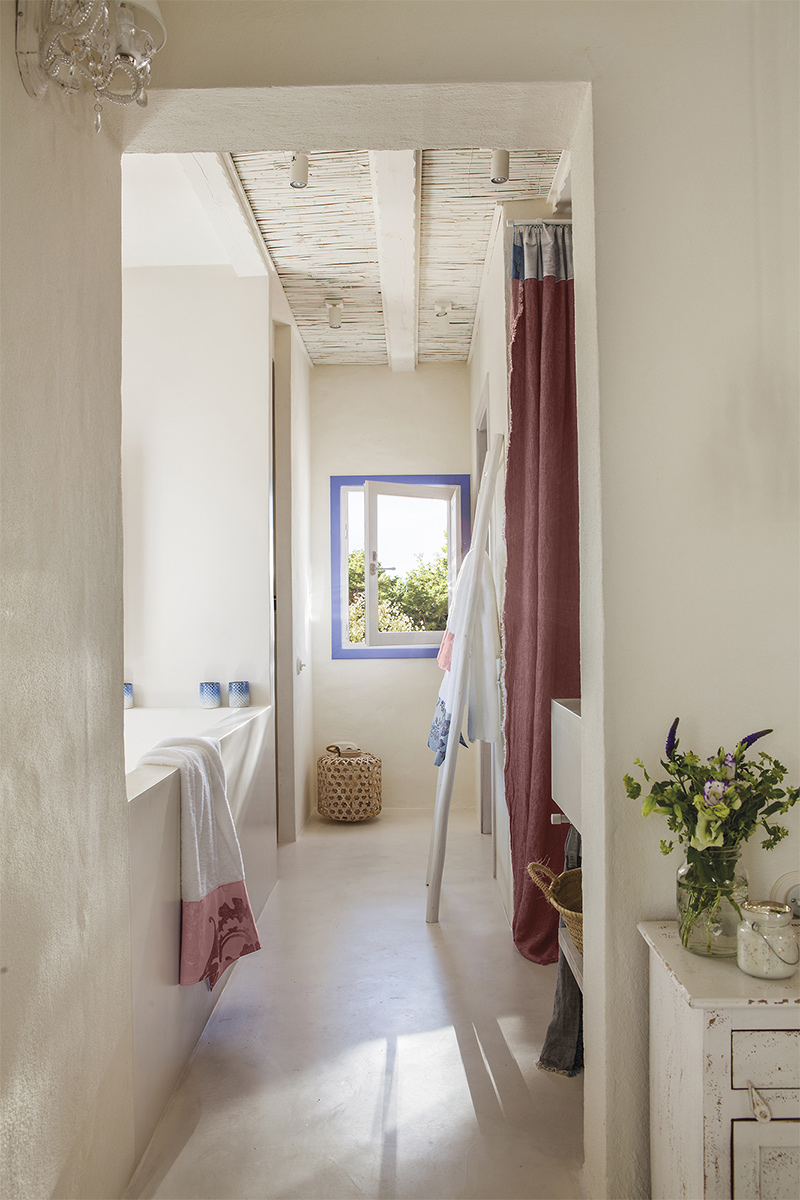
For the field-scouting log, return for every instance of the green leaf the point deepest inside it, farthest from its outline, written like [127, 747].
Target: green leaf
[652, 804]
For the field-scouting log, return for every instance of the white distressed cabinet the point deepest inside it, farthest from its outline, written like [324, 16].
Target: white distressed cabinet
[714, 1031]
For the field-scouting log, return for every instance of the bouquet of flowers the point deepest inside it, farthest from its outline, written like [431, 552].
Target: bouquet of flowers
[719, 802]
[714, 805]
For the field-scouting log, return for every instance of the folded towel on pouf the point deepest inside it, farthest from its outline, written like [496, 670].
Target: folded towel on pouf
[217, 922]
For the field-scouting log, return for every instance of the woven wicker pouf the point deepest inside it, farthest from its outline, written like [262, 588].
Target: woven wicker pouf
[348, 785]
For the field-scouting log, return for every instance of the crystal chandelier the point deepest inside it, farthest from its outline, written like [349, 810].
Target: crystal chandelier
[106, 44]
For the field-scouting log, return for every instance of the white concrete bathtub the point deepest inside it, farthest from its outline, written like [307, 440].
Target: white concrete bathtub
[167, 1018]
[146, 726]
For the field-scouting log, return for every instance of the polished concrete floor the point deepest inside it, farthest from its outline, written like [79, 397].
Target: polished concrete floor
[364, 1053]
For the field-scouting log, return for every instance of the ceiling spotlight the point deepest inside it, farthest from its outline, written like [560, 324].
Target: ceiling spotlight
[442, 310]
[298, 173]
[499, 166]
[334, 308]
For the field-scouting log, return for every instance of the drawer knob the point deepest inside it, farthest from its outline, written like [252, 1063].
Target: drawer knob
[760, 1108]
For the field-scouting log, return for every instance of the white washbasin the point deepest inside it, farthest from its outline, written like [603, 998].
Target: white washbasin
[565, 743]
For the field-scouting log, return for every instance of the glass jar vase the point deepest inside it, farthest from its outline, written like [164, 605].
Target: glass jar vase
[711, 888]
[767, 944]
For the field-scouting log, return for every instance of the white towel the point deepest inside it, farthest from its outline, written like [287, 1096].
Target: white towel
[210, 851]
[457, 624]
[482, 644]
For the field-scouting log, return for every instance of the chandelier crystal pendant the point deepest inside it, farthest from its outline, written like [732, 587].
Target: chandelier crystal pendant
[106, 44]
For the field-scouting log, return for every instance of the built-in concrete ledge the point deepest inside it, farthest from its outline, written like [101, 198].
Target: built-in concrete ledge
[565, 748]
[168, 1019]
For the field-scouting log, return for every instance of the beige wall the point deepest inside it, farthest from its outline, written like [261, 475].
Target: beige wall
[302, 586]
[293, 572]
[686, 205]
[406, 423]
[67, 1120]
[196, 460]
[687, 361]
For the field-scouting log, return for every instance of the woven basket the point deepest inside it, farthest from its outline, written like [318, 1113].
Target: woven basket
[565, 893]
[348, 785]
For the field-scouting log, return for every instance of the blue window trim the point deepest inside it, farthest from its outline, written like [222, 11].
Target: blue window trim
[341, 481]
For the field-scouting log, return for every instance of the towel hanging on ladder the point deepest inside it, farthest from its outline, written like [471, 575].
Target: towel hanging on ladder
[460, 650]
[474, 599]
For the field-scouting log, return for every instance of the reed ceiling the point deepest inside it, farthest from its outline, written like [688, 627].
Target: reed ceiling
[324, 243]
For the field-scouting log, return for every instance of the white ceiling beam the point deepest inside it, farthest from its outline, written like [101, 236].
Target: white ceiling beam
[213, 186]
[396, 197]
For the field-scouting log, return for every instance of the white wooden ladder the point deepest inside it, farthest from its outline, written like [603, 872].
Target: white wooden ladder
[462, 647]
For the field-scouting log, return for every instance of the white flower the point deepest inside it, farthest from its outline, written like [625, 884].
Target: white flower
[714, 790]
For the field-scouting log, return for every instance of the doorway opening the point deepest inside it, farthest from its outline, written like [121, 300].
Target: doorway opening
[425, 115]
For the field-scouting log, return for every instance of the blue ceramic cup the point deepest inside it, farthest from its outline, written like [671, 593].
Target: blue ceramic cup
[209, 695]
[239, 694]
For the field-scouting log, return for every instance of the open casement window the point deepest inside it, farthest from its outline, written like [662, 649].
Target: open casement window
[397, 544]
[396, 516]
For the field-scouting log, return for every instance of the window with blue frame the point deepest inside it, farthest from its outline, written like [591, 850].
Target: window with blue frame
[396, 546]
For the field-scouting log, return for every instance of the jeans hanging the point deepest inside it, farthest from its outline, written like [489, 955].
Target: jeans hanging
[562, 1052]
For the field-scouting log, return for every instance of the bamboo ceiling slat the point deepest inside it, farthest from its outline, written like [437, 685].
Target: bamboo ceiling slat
[322, 240]
[457, 210]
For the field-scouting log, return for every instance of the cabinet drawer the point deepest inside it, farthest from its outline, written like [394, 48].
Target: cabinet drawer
[766, 1160]
[769, 1058]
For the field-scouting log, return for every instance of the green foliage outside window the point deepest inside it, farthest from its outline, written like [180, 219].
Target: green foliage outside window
[413, 602]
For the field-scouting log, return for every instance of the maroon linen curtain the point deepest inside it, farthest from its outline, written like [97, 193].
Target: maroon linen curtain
[541, 644]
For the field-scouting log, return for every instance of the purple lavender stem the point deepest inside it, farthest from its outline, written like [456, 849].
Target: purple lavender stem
[753, 737]
[671, 738]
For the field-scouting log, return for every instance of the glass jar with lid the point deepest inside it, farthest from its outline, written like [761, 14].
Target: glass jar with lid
[766, 943]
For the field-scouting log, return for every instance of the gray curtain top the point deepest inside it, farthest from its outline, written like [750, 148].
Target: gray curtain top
[541, 249]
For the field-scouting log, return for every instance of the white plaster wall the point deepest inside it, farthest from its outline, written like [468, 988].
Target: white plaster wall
[285, 654]
[293, 575]
[688, 394]
[689, 543]
[607, 1054]
[196, 482]
[302, 586]
[67, 1115]
[687, 350]
[371, 419]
